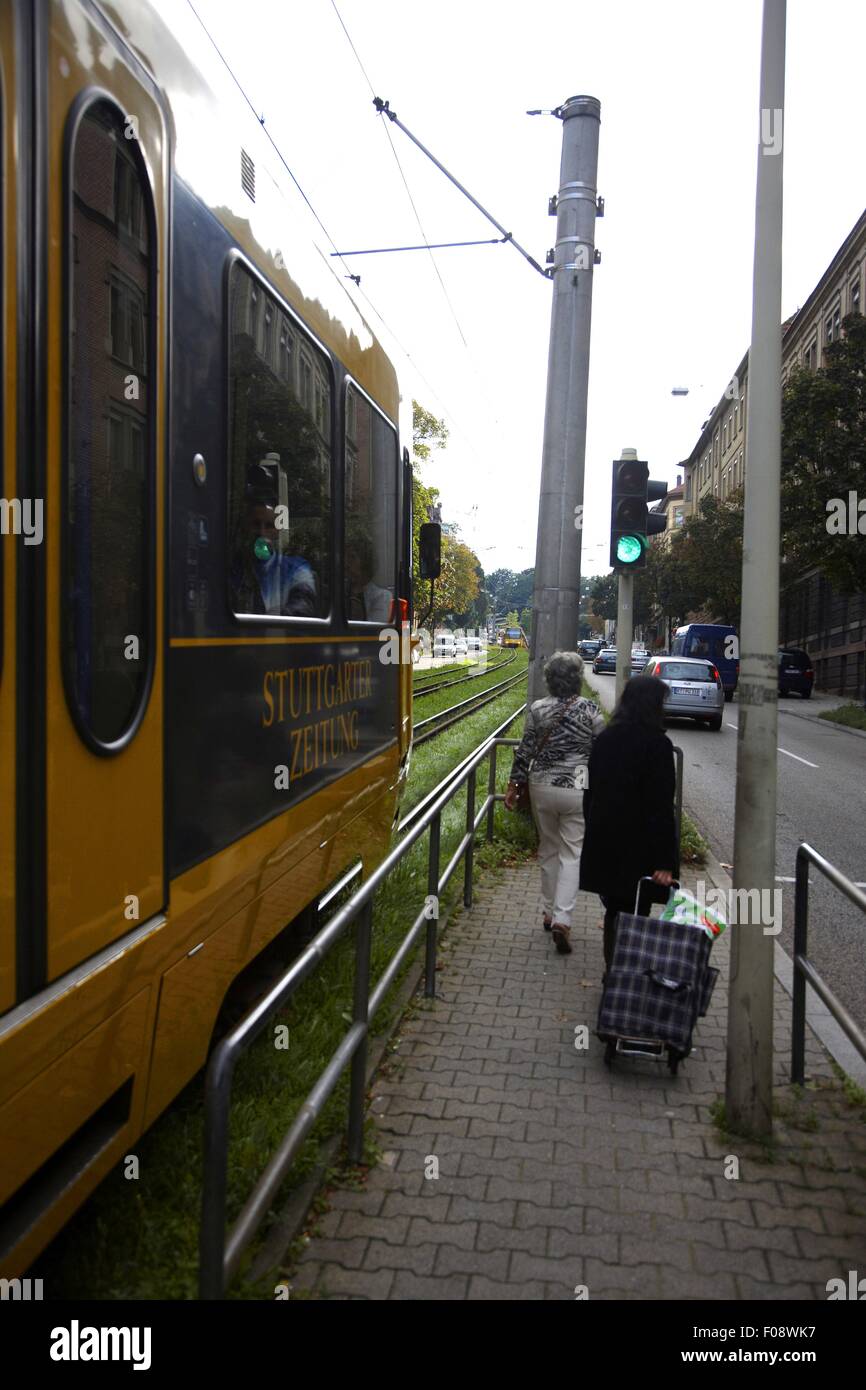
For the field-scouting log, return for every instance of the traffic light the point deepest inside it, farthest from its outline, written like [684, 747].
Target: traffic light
[631, 523]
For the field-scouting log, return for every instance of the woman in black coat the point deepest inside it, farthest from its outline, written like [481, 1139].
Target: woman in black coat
[629, 804]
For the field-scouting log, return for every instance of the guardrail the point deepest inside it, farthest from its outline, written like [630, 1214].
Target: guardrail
[220, 1254]
[804, 971]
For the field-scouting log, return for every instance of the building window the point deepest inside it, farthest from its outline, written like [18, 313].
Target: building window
[370, 567]
[128, 194]
[832, 325]
[279, 465]
[108, 552]
[128, 334]
[854, 295]
[810, 356]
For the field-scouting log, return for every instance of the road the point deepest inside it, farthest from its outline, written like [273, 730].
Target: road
[821, 799]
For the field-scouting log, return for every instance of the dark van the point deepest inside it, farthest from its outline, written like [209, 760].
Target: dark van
[714, 642]
[795, 672]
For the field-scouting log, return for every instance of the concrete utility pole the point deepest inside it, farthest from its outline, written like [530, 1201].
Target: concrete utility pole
[749, 1090]
[556, 593]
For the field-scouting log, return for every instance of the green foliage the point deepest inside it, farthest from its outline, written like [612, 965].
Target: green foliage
[602, 595]
[824, 457]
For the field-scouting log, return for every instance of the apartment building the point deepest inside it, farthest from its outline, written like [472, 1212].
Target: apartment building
[830, 626]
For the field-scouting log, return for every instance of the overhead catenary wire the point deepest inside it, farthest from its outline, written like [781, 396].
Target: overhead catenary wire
[405, 180]
[376, 312]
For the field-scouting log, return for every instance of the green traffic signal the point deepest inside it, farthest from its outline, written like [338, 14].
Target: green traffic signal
[628, 549]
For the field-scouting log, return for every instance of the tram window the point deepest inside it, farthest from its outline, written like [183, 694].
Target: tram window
[108, 543]
[371, 512]
[280, 460]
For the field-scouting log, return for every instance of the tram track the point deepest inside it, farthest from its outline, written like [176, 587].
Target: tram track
[460, 680]
[446, 718]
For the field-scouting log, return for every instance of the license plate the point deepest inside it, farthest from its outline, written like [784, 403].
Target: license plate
[683, 690]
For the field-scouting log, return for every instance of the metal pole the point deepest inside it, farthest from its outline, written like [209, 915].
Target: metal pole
[801, 927]
[750, 1002]
[433, 905]
[469, 857]
[624, 628]
[358, 1079]
[556, 592]
[491, 792]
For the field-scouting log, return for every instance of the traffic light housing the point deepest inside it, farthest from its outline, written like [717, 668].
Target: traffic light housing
[631, 523]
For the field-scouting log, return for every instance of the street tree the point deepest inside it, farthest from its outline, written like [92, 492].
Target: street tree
[824, 462]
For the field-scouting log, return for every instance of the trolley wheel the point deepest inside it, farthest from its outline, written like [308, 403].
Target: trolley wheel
[674, 1060]
[609, 1054]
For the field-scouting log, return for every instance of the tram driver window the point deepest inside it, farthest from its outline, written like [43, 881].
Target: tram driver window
[371, 512]
[280, 460]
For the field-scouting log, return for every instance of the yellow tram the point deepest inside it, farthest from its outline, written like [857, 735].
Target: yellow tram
[197, 735]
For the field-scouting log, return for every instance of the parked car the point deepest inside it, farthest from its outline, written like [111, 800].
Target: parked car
[474, 646]
[590, 647]
[461, 646]
[715, 642]
[695, 689]
[795, 672]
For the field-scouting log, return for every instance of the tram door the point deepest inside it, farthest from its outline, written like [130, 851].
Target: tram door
[105, 353]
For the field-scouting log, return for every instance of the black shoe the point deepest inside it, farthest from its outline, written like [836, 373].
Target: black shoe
[561, 941]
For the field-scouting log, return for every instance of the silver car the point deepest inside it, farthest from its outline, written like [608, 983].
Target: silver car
[694, 688]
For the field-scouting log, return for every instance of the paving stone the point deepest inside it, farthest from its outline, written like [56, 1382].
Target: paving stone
[602, 1278]
[357, 1223]
[433, 1207]
[755, 1290]
[480, 1287]
[794, 1218]
[493, 1237]
[785, 1270]
[356, 1283]
[411, 1286]
[567, 1271]
[460, 1233]
[383, 1254]
[492, 1263]
[501, 1212]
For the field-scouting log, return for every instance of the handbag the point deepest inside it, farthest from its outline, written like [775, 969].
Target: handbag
[522, 801]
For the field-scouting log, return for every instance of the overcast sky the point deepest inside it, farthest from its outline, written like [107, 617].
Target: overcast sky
[678, 86]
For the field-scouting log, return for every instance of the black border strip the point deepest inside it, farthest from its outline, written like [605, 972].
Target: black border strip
[32, 264]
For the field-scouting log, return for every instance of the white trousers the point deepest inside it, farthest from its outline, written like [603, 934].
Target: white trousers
[558, 815]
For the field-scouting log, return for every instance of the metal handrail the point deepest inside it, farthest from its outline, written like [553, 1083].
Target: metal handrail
[804, 970]
[220, 1254]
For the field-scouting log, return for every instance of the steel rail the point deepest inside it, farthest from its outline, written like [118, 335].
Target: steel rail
[446, 685]
[477, 701]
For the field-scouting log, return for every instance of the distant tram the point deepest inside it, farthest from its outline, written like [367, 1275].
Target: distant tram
[514, 637]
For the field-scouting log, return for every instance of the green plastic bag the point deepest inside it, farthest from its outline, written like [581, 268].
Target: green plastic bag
[685, 908]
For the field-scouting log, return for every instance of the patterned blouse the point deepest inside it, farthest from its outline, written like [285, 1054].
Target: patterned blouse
[566, 749]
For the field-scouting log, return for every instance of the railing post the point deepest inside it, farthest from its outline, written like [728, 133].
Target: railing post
[469, 858]
[358, 1079]
[491, 791]
[801, 928]
[212, 1235]
[678, 812]
[432, 905]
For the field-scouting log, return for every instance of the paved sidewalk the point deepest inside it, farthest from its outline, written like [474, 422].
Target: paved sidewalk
[555, 1174]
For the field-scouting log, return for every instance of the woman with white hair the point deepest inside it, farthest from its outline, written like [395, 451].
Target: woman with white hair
[550, 764]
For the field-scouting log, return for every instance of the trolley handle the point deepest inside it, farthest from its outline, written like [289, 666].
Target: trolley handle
[652, 893]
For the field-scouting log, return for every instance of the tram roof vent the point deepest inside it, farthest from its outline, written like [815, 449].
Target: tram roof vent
[248, 176]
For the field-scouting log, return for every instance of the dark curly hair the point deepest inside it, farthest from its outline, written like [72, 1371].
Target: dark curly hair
[642, 702]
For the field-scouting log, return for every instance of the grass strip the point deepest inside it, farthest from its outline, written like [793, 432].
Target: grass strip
[852, 716]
